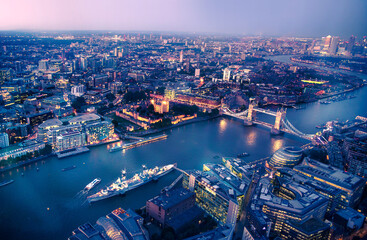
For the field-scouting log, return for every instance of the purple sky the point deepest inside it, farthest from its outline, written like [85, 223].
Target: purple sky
[268, 17]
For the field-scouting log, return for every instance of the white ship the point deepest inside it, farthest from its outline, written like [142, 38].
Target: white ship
[122, 185]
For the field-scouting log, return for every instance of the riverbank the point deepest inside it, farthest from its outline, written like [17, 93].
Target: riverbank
[33, 160]
[23, 163]
[315, 99]
[153, 131]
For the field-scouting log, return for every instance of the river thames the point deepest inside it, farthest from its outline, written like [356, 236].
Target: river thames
[43, 204]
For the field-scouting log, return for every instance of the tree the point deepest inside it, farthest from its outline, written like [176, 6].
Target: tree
[150, 108]
[110, 97]
[78, 103]
[168, 233]
[135, 96]
[115, 122]
[160, 90]
[215, 112]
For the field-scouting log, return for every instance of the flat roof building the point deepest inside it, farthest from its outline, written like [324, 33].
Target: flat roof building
[350, 185]
[218, 192]
[119, 224]
[280, 200]
[170, 208]
[85, 119]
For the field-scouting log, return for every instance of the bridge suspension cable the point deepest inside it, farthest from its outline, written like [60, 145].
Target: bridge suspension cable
[288, 125]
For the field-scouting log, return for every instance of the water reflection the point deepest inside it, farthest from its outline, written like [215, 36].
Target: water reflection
[222, 125]
[251, 138]
[276, 144]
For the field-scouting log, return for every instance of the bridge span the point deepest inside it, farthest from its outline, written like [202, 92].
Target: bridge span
[282, 124]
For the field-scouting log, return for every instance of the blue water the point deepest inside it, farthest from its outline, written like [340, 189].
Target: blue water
[42, 204]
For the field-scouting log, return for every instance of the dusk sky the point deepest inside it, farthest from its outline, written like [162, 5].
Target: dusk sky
[312, 18]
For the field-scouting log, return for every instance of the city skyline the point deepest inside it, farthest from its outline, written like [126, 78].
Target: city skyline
[269, 18]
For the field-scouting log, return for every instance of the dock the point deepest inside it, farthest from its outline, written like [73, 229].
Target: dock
[72, 152]
[144, 141]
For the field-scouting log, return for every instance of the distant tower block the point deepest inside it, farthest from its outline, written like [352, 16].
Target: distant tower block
[278, 121]
[181, 56]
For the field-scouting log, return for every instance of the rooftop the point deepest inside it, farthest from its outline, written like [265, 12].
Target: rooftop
[329, 173]
[310, 226]
[84, 118]
[220, 233]
[172, 198]
[50, 123]
[304, 199]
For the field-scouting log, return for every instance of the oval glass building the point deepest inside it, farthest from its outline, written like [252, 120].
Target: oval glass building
[286, 157]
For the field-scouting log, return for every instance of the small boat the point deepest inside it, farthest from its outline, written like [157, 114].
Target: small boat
[115, 148]
[6, 182]
[245, 154]
[68, 168]
[92, 184]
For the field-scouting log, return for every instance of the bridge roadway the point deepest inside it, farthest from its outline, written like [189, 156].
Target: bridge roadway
[265, 111]
[243, 116]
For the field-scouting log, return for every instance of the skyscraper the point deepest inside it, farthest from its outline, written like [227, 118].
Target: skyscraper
[226, 74]
[334, 45]
[181, 56]
[4, 140]
[327, 42]
[197, 72]
[350, 44]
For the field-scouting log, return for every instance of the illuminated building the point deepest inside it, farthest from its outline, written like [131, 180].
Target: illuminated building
[349, 219]
[286, 157]
[198, 100]
[311, 229]
[218, 192]
[329, 192]
[160, 106]
[172, 207]
[43, 65]
[69, 140]
[85, 119]
[23, 148]
[350, 185]
[170, 92]
[334, 45]
[220, 233]
[37, 118]
[78, 90]
[355, 151]
[18, 132]
[44, 127]
[278, 201]
[239, 168]
[4, 140]
[53, 133]
[226, 74]
[181, 56]
[197, 72]
[119, 224]
[99, 131]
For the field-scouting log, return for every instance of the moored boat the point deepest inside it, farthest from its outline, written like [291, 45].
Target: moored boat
[122, 185]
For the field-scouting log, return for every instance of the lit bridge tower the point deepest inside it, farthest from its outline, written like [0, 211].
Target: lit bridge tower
[276, 129]
[251, 115]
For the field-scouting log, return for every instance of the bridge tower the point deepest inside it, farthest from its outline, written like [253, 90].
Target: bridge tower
[276, 129]
[251, 114]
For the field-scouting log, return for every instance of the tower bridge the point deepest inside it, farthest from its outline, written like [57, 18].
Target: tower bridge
[281, 124]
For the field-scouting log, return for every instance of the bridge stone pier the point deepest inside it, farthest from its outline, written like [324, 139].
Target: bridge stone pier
[276, 129]
[250, 119]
